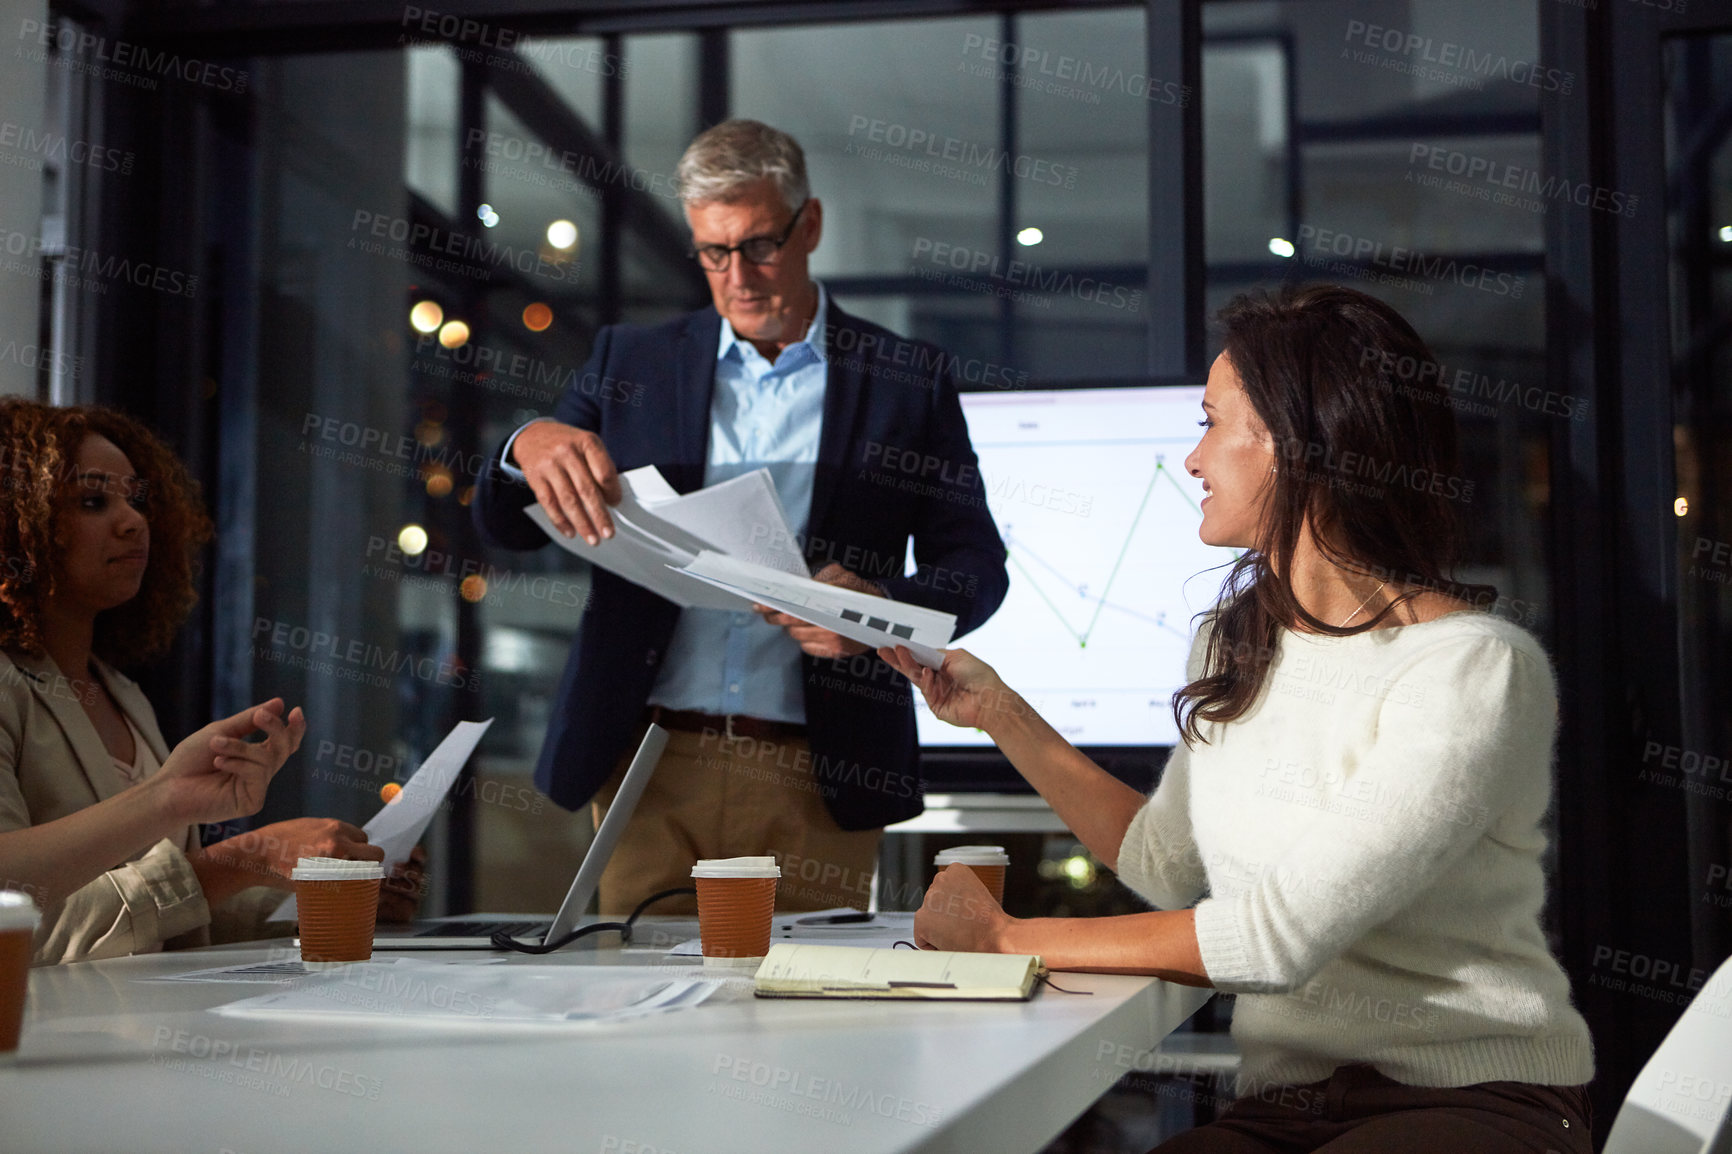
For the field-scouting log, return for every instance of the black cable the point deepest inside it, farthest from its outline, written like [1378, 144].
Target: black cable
[1045, 978]
[504, 941]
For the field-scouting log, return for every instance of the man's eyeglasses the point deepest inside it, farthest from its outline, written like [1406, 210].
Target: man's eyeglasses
[757, 249]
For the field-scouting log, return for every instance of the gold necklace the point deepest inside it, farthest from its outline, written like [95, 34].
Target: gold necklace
[1362, 604]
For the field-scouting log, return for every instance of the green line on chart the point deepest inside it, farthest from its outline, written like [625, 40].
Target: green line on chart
[1056, 611]
[1106, 591]
[1082, 638]
[1162, 468]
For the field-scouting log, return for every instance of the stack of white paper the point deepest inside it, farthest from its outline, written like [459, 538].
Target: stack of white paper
[729, 546]
[873, 621]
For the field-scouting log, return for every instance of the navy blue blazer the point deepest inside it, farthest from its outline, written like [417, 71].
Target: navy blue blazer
[894, 462]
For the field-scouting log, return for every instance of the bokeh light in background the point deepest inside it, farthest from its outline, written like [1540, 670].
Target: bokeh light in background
[562, 234]
[426, 316]
[537, 317]
[454, 334]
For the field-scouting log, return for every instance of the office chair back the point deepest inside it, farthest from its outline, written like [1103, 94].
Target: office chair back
[1679, 1102]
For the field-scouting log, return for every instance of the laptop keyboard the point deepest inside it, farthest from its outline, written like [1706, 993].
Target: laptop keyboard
[485, 929]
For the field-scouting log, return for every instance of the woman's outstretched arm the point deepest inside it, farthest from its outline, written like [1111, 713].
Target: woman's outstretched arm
[214, 775]
[1093, 804]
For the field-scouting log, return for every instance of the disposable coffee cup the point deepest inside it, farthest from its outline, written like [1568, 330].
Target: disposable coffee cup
[736, 898]
[987, 861]
[338, 902]
[18, 922]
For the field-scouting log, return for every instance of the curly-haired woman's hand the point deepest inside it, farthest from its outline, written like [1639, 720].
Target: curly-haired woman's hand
[216, 774]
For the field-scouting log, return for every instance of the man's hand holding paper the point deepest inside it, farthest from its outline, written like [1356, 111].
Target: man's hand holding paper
[571, 474]
[853, 613]
[815, 639]
[700, 550]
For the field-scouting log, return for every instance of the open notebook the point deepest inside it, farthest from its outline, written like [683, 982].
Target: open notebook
[792, 970]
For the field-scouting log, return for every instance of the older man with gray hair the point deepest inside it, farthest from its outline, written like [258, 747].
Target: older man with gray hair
[788, 739]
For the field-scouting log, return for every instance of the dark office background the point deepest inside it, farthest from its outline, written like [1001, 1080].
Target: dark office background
[321, 177]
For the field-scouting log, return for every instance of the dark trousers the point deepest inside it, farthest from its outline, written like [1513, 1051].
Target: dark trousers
[1356, 1110]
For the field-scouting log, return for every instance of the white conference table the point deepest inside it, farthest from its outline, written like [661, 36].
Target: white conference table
[103, 1066]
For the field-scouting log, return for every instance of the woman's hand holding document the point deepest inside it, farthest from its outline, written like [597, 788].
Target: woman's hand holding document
[398, 826]
[730, 543]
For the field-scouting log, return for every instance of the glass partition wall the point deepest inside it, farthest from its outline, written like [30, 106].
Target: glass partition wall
[437, 243]
[416, 244]
[403, 245]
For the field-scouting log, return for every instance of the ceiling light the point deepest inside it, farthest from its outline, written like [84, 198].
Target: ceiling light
[562, 234]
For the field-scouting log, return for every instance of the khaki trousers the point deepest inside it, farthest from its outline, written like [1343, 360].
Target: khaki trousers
[712, 797]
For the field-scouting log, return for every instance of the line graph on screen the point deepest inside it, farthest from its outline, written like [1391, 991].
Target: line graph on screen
[1107, 573]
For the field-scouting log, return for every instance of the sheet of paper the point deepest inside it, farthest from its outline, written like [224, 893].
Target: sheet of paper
[416, 992]
[400, 823]
[641, 558]
[741, 517]
[279, 973]
[657, 528]
[861, 617]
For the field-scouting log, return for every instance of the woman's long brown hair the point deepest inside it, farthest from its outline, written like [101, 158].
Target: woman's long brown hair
[1365, 454]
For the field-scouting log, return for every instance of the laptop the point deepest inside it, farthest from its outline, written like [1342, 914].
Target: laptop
[468, 932]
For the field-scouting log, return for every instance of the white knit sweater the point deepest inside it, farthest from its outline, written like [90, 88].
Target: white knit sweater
[1367, 838]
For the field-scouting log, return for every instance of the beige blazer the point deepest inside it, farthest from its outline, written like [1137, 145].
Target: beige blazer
[53, 763]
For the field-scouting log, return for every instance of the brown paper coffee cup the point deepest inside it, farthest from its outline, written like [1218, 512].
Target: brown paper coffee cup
[987, 861]
[18, 921]
[338, 903]
[736, 898]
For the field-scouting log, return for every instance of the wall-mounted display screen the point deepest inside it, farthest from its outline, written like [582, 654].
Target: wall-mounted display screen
[1089, 490]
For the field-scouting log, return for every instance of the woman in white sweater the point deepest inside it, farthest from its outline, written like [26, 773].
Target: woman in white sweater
[1348, 836]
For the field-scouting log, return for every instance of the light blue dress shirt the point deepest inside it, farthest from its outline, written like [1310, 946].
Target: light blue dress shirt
[762, 415]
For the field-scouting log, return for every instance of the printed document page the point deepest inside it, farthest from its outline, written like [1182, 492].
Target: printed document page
[657, 532]
[402, 821]
[861, 617]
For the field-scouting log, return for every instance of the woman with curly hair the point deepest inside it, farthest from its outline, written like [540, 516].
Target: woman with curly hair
[1348, 835]
[99, 532]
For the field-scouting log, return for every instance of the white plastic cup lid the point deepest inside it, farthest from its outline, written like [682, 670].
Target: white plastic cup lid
[737, 867]
[335, 869]
[18, 911]
[980, 855]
